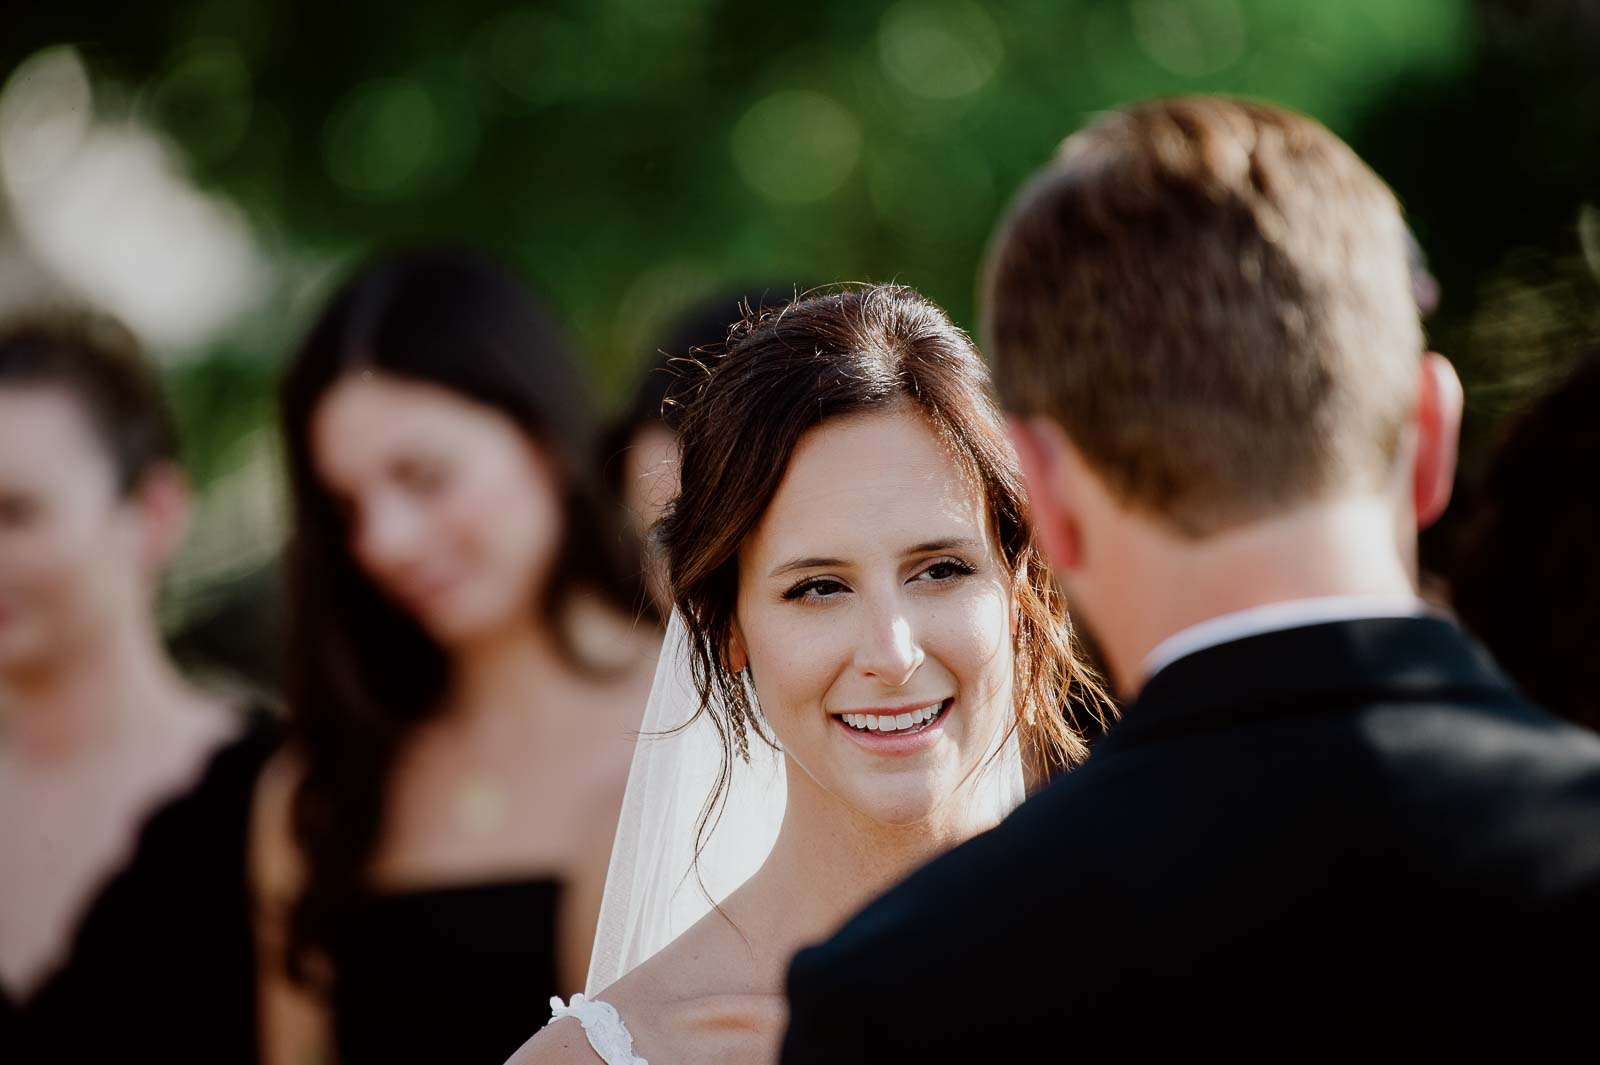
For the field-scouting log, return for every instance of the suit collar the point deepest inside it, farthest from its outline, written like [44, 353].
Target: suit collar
[1400, 658]
[1267, 617]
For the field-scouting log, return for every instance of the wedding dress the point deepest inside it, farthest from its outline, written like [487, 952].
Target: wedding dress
[602, 1026]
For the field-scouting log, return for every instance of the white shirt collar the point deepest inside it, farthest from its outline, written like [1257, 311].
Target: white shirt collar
[1271, 617]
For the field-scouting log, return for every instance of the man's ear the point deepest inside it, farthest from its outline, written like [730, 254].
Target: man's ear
[1440, 401]
[737, 657]
[1042, 448]
[161, 505]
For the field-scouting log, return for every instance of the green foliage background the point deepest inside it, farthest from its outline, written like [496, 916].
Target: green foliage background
[629, 156]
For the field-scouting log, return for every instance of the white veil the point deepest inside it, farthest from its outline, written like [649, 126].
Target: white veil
[655, 889]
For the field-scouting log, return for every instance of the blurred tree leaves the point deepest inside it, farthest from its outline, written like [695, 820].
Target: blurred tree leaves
[605, 144]
[631, 155]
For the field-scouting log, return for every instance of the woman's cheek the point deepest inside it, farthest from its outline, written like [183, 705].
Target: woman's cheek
[975, 630]
[792, 660]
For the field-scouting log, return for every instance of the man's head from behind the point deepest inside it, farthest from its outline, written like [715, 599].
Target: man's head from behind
[1208, 304]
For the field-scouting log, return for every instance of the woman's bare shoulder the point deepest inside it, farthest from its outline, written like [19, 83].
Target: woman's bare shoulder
[561, 1042]
[698, 990]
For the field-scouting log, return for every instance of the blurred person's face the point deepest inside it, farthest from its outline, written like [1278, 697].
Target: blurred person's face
[875, 613]
[650, 473]
[649, 482]
[452, 510]
[74, 554]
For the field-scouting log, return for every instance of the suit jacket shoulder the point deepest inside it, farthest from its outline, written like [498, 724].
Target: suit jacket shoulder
[1356, 812]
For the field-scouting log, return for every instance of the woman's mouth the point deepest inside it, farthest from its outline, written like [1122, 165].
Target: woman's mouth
[895, 724]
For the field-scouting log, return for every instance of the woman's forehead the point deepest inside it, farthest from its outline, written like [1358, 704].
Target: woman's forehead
[364, 421]
[867, 484]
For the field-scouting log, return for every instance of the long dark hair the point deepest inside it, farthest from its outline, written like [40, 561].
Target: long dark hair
[788, 370]
[362, 673]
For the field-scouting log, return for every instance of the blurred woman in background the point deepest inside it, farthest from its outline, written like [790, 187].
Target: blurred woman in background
[639, 450]
[125, 789]
[1526, 579]
[464, 676]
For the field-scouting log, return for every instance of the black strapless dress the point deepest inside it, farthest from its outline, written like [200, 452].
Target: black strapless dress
[162, 967]
[460, 974]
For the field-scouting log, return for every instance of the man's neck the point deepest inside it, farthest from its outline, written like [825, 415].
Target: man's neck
[112, 685]
[1345, 548]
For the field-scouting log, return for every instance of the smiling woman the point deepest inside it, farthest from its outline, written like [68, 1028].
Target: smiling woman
[851, 558]
[463, 676]
[848, 608]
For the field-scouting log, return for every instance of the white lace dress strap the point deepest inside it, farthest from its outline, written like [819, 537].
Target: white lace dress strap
[603, 1027]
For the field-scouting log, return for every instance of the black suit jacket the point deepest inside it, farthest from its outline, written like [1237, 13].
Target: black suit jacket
[1346, 841]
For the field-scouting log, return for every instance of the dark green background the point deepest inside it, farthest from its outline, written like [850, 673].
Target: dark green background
[631, 155]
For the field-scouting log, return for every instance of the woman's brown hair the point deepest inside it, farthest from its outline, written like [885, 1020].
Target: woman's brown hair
[784, 372]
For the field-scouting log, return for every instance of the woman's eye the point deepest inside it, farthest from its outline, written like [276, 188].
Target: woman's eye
[423, 476]
[821, 588]
[947, 569]
[16, 511]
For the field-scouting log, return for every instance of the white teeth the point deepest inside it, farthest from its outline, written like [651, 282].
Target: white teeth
[893, 722]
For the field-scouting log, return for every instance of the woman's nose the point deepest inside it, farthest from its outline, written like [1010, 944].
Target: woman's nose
[889, 650]
[385, 533]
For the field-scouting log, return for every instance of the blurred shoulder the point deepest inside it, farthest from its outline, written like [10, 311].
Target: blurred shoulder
[275, 865]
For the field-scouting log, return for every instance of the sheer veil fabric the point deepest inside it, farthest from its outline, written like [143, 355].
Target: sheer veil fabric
[655, 889]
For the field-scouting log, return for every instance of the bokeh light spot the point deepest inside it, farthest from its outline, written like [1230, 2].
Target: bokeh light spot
[381, 138]
[45, 110]
[796, 146]
[535, 56]
[204, 99]
[939, 50]
[1193, 38]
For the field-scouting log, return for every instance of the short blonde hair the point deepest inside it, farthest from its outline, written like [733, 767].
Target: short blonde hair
[1212, 297]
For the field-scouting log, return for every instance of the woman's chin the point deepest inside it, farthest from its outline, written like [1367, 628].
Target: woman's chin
[456, 621]
[904, 806]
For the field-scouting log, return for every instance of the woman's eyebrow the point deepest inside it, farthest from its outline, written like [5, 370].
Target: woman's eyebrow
[953, 543]
[805, 563]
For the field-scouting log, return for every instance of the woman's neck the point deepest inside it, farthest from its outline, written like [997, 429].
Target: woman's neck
[114, 685]
[862, 857]
[507, 665]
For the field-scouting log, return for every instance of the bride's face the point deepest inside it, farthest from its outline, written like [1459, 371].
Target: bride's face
[875, 612]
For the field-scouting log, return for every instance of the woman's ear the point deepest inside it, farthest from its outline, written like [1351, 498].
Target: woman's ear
[736, 656]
